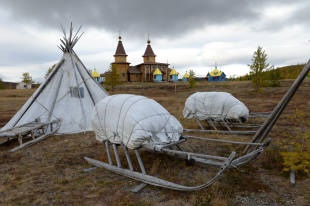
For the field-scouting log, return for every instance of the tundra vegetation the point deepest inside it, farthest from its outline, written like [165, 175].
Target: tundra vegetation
[51, 172]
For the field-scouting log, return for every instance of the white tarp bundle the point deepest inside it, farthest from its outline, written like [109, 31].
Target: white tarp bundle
[69, 94]
[134, 121]
[206, 105]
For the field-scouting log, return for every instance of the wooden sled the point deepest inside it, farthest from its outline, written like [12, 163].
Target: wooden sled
[36, 131]
[251, 149]
[259, 140]
[221, 162]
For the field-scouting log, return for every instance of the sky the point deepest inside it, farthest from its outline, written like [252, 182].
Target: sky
[189, 35]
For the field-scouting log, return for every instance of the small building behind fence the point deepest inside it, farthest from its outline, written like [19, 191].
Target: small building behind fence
[157, 75]
[23, 85]
[216, 76]
[185, 77]
[173, 75]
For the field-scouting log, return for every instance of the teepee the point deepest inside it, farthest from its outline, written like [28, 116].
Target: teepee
[69, 94]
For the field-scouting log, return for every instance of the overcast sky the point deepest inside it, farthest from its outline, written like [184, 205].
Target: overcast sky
[193, 34]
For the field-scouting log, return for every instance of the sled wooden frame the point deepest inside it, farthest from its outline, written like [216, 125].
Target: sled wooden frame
[36, 131]
[259, 141]
[218, 161]
[222, 162]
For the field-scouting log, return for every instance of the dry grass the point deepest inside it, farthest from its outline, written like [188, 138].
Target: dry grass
[51, 172]
[10, 102]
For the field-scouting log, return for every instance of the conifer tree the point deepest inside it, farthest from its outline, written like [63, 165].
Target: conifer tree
[112, 77]
[26, 78]
[191, 79]
[259, 64]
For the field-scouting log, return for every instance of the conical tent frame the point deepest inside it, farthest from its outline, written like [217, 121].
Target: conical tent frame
[68, 95]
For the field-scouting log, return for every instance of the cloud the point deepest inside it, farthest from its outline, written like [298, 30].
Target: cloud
[24, 45]
[160, 18]
[187, 34]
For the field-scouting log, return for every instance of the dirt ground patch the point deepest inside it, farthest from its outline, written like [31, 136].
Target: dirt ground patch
[52, 171]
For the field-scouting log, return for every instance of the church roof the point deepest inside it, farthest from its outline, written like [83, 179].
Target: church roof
[153, 63]
[95, 74]
[173, 72]
[120, 51]
[148, 51]
[216, 72]
[157, 72]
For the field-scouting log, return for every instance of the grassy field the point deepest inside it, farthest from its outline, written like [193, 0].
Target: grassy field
[52, 171]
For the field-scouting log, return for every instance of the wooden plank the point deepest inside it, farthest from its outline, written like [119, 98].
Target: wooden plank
[224, 141]
[22, 129]
[245, 132]
[27, 144]
[27, 131]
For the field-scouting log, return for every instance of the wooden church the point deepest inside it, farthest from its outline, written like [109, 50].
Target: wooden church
[143, 72]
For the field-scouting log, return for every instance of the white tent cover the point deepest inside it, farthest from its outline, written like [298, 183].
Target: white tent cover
[206, 105]
[134, 121]
[69, 94]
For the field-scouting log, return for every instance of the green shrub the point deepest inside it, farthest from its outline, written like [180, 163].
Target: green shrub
[297, 156]
[296, 145]
[271, 78]
[191, 79]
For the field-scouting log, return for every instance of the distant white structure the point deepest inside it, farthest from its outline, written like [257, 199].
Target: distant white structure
[23, 85]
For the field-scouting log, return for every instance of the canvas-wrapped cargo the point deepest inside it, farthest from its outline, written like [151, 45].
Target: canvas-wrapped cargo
[213, 105]
[134, 121]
